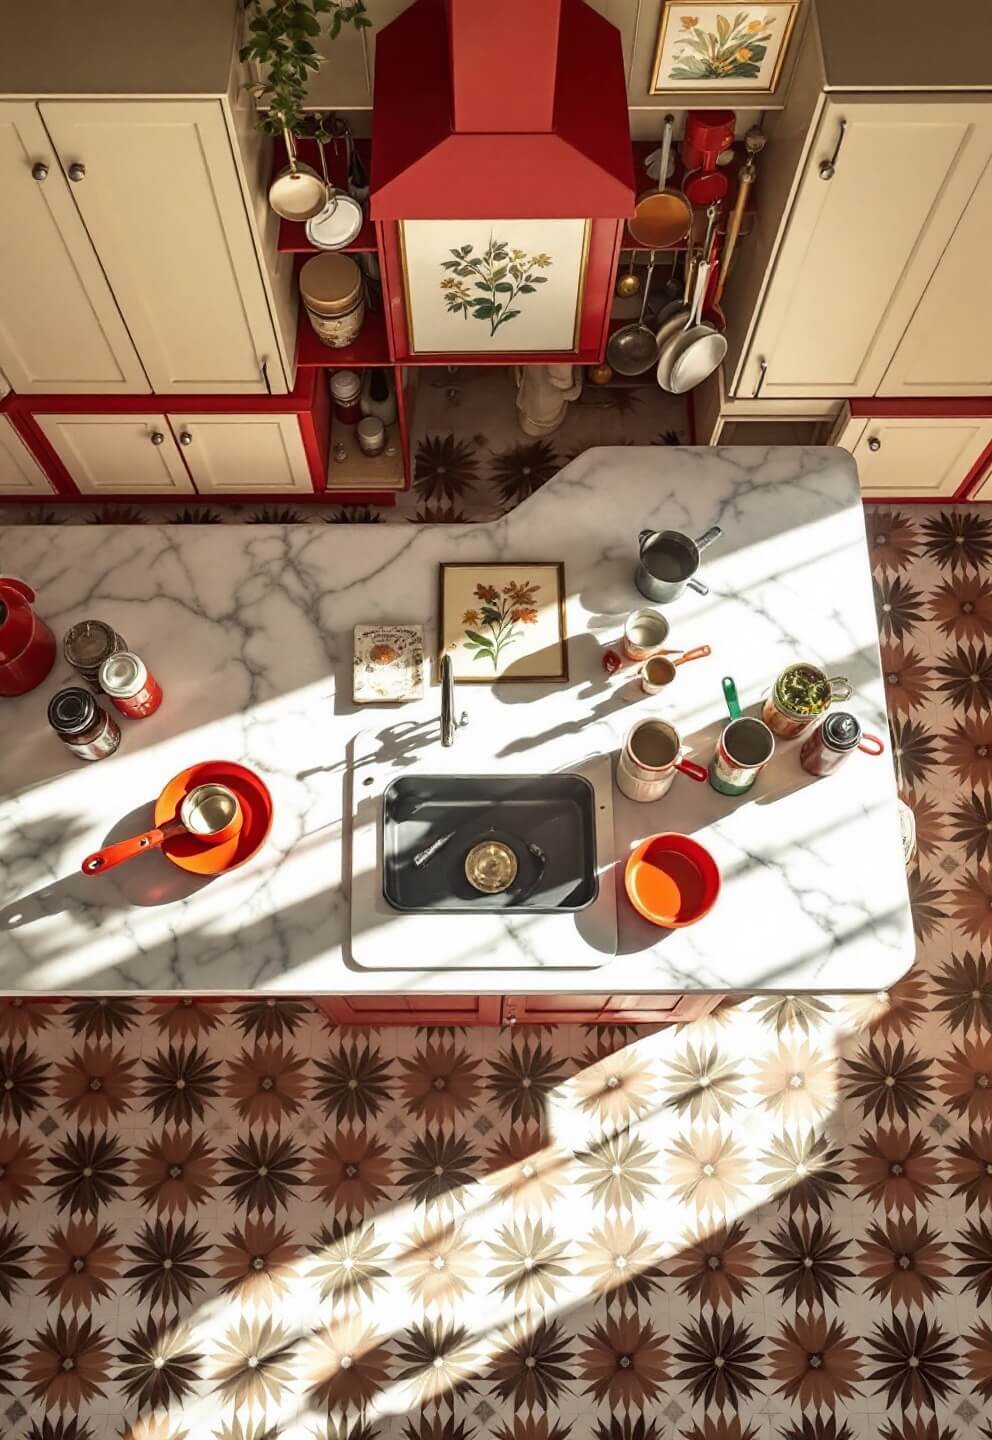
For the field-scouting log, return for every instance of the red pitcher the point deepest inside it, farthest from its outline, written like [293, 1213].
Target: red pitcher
[27, 645]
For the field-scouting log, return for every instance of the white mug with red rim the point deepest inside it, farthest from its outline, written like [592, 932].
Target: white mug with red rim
[651, 754]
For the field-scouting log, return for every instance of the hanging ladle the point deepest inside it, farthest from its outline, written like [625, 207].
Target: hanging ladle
[211, 813]
[634, 349]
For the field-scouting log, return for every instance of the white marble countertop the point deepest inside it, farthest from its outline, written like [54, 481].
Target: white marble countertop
[249, 629]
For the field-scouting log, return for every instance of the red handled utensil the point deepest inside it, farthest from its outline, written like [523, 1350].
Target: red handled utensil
[209, 813]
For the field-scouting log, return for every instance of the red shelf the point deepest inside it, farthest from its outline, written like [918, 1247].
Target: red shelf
[292, 233]
[293, 240]
[371, 347]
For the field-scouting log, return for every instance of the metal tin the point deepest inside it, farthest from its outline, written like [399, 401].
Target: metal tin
[745, 746]
[346, 391]
[371, 435]
[82, 725]
[332, 289]
[88, 644]
[783, 718]
[127, 682]
[830, 744]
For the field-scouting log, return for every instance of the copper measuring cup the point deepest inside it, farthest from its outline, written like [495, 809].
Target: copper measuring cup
[210, 813]
[659, 671]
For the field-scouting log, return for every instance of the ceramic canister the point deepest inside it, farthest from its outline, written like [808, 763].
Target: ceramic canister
[332, 289]
[745, 746]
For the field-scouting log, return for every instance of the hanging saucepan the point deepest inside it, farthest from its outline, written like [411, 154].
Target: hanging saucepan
[297, 192]
[632, 349]
[662, 217]
[674, 332]
[340, 220]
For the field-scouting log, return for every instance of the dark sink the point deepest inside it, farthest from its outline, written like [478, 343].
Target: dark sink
[548, 821]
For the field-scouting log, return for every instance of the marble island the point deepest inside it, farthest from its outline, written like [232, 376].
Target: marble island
[249, 630]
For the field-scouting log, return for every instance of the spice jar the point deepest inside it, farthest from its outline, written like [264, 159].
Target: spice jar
[832, 742]
[331, 287]
[346, 392]
[82, 725]
[87, 644]
[799, 697]
[130, 686]
[371, 435]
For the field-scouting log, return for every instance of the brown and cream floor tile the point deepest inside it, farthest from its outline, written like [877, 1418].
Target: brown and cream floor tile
[234, 1222]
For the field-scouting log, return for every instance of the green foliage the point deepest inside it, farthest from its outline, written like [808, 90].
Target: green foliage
[281, 39]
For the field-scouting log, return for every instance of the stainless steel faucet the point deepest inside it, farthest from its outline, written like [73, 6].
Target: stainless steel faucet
[449, 724]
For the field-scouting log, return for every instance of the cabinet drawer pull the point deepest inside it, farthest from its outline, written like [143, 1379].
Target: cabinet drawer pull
[185, 438]
[762, 371]
[828, 168]
[874, 444]
[157, 438]
[77, 171]
[39, 171]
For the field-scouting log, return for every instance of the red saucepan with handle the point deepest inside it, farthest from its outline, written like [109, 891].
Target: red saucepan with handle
[208, 813]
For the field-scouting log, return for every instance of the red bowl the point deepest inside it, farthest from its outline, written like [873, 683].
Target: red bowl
[191, 854]
[672, 880]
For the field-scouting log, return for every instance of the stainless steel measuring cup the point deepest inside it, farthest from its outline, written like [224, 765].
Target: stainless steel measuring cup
[669, 561]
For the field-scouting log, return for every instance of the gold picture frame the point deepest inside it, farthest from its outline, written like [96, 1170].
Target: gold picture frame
[471, 594]
[476, 341]
[706, 44]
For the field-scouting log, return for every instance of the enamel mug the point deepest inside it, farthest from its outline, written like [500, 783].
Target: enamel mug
[745, 746]
[644, 633]
[651, 754]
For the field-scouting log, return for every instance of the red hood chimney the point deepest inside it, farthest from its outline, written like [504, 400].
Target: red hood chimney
[504, 64]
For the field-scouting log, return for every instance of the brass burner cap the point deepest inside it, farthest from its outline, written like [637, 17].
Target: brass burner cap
[491, 867]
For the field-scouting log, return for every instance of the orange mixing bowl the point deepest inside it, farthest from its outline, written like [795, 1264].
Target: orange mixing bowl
[191, 854]
[672, 880]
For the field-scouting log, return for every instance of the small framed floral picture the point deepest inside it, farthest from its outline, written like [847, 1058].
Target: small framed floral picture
[710, 45]
[504, 622]
[477, 287]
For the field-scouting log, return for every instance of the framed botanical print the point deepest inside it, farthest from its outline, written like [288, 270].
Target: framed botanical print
[712, 45]
[493, 286]
[504, 622]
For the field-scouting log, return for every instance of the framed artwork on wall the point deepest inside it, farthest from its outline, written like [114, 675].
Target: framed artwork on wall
[504, 622]
[712, 45]
[493, 286]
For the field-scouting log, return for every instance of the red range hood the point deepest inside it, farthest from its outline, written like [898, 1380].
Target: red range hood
[500, 109]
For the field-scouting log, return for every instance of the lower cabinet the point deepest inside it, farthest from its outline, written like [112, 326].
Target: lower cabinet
[515, 1009]
[191, 453]
[20, 473]
[118, 454]
[916, 457]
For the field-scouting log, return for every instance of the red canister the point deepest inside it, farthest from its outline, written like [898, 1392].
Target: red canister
[130, 686]
[707, 134]
[27, 645]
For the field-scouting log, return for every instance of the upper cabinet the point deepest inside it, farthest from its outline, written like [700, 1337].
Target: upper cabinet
[156, 186]
[876, 266]
[60, 327]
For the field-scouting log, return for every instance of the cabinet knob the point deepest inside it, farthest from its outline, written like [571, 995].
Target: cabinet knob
[40, 171]
[874, 444]
[157, 438]
[77, 171]
[185, 438]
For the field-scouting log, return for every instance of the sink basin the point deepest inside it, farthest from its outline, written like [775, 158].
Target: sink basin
[541, 827]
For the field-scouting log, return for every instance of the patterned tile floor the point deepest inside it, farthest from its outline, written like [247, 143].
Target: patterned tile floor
[232, 1222]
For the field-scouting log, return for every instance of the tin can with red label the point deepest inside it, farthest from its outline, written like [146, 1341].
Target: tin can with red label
[130, 686]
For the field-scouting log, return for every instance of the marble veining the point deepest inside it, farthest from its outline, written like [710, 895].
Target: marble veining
[250, 632]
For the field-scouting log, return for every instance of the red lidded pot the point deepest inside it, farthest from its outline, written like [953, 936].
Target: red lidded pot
[27, 645]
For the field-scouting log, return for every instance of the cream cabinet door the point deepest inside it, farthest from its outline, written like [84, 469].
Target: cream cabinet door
[914, 457]
[118, 454]
[158, 191]
[60, 329]
[228, 454]
[885, 184]
[947, 347]
[20, 473]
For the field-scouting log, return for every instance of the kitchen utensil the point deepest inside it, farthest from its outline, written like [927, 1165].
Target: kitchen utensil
[700, 352]
[27, 645]
[672, 316]
[297, 192]
[669, 561]
[834, 739]
[744, 747]
[210, 813]
[670, 346]
[703, 187]
[662, 217]
[633, 349]
[672, 880]
[707, 134]
[651, 754]
[644, 633]
[339, 220]
[800, 695]
[189, 851]
[754, 143]
[630, 284]
[659, 671]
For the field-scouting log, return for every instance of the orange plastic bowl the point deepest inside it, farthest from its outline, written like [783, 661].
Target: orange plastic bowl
[192, 854]
[672, 880]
